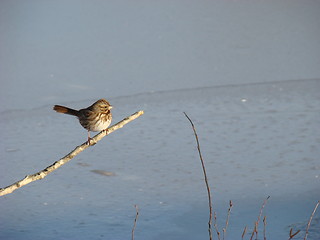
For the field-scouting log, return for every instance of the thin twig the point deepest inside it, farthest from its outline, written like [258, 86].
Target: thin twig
[40, 175]
[244, 232]
[291, 235]
[255, 231]
[262, 207]
[205, 177]
[264, 227]
[135, 221]
[215, 225]
[227, 221]
[309, 223]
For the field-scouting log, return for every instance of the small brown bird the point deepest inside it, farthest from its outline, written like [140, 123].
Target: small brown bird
[94, 118]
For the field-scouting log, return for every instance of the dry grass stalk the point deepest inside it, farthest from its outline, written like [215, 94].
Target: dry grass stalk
[227, 221]
[135, 221]
[309, 223]
[255, 231]
[264, 227]
[216, 225]
[244, 232]
[205, 178]
[256, 224]
[42, 174]
[262, 207]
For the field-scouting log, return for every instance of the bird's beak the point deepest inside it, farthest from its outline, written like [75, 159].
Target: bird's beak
[110, 107]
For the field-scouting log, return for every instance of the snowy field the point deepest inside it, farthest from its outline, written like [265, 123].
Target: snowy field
[246, 72]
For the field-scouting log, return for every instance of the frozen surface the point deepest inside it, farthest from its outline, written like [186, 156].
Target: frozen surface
[240, 69]
[257, 140]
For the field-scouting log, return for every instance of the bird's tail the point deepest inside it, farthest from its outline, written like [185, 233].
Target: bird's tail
[65, 110]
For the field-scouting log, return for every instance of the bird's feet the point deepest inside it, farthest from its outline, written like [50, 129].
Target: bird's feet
[89, 141]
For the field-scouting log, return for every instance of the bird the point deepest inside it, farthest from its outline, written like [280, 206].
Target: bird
[94, 118]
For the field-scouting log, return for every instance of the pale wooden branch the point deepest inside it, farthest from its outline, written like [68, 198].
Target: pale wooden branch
[42, 174]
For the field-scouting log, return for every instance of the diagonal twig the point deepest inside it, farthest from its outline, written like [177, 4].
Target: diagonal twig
[255, 231]
[244, 232]
[135, 222]
[310, 219]
[292, 235]
[43, 173]
[205, 178]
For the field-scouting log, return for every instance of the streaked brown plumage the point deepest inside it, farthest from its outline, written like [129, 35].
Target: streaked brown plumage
[94, 118]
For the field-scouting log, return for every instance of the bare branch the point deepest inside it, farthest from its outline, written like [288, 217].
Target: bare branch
[42, 174]
[291, 235]
[205, 178]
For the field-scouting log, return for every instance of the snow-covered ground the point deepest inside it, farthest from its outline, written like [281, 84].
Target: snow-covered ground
[232, 66]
